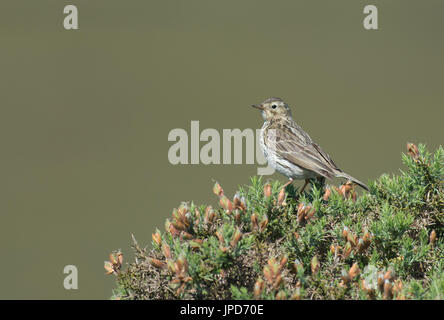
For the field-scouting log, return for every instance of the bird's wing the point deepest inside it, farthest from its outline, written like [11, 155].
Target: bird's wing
[298, 148]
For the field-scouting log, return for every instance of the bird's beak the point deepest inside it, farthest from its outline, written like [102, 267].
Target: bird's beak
[258, 106]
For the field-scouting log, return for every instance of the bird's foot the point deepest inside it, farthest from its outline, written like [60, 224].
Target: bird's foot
[288, 183]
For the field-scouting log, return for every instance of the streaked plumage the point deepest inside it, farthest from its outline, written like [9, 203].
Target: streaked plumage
[290, 150]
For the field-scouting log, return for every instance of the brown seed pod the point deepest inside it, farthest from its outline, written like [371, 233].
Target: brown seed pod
[207, 214]
[345, 232]
[171, 266]
[243, 204]
[370, 291]
[310, 213]
[283, 262]
[254, 224]
[397, 288]
[366, 237]
[258, 288]
[178, 267]
[263, 223]
[301, 212]
[184, 263]
[157, 263]
[433, 237]
[277, 282]
[268, 274]
[281, 196]
[381, 282]
[267, 190]
[226, 204]
[388, 275]
[236, 237]
[220, 237]
[352, 239]
[342, 191]
[354, 270]
[327, 194]
[347, 250]
[171, 229]
[360, 246]
[345, 277]
[186, 235]
[178, 225]
[166, 251]
[388, 294]
[237, 215]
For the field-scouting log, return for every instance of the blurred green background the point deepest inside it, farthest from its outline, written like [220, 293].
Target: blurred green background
[85, 114]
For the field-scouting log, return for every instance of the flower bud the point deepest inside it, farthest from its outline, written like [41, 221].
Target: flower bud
[157, 238]
[166, 251]
[217, 189]
[412, 150]
[226, 204]
[108, 267]
[220, 237]
[236, 201]
[236, 237]
[315, 265]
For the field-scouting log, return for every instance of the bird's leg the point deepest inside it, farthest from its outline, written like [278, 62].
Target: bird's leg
[320, 183]
[288, 183]
[305, 184]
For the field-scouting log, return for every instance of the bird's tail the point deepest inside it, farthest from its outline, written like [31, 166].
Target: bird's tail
[347, 176]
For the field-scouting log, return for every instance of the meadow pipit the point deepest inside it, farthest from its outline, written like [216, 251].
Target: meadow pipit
[290, 150]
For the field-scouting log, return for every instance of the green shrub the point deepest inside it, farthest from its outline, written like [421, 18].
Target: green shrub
[327, 243]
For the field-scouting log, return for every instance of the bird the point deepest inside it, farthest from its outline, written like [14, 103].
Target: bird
[290, 150]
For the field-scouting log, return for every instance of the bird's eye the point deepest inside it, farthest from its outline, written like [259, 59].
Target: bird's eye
[274, 106]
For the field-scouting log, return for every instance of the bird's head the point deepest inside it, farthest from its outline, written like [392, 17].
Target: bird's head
[274, 108]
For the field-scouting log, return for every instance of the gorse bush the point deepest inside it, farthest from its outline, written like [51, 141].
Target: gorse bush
[327, 243]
